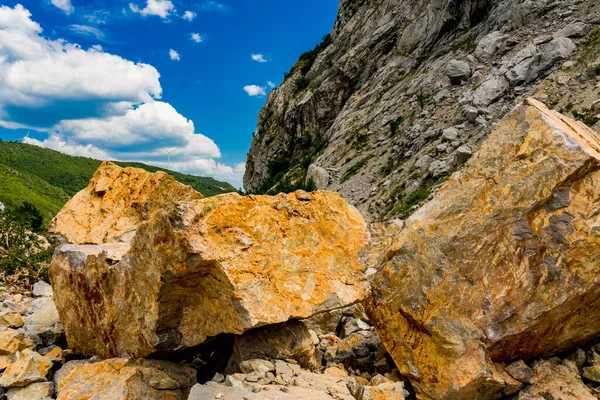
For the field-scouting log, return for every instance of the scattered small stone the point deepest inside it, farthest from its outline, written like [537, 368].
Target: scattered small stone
[520, 371]
[42, 289]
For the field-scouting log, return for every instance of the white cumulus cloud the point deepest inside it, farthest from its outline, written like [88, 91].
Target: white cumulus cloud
[255, 90]
[189, 15]
[174, 55]
[258, 57]
[45, 81]
[151, 127]
[271, 84]
[95, 104]
[64, 5]
[159, 8]
[196, 37]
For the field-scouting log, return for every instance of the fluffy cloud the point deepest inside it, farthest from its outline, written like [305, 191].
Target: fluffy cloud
[271, 84]
[196, 37]
[151, 127]
[95, 104]
[159, 8]
[258, 57]
[189, 15]
[64, 5]
[255, 90]
[174, 55]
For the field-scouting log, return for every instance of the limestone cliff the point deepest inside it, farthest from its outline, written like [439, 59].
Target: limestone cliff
[401, 93]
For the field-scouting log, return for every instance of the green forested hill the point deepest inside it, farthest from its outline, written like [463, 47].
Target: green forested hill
[47, 178]
[17, 187]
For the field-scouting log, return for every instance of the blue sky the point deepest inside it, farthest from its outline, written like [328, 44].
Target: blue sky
[127, 79]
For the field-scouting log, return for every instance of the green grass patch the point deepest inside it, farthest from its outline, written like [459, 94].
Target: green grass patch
[353, 170]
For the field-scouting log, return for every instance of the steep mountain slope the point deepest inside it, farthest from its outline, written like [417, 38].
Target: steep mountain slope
[72, 174]
[403, 92]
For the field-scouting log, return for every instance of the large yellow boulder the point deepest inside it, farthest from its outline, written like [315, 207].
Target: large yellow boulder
[502, 264]
[115, 202]
[224, 264]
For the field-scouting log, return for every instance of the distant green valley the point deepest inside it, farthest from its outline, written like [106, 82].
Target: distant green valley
[47, 178]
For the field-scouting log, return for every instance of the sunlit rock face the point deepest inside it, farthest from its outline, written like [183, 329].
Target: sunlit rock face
[204, 267]
[115, 202]
[502, 264]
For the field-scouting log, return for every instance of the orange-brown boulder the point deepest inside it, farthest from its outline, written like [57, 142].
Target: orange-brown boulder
[115, 202]
[224, 264]
[502, 264]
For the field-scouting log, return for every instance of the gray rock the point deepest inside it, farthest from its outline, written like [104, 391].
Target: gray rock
[576, 29]
[462, 155]
[325, 322]
[557, 50]
[490, 90]
[524, 66]
[467, 112]
[319, 176]
[352, 325]
[42, 289]
[43, 325]
[450, 134]
[492, 45]
[458, 71]
[438, 168]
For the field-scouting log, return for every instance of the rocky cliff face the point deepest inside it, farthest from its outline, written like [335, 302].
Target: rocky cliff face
[402, 93]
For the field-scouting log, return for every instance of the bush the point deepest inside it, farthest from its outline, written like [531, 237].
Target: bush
[28, 216]
[22, 253]
[395, 124]
[306, 60]
[301, 84]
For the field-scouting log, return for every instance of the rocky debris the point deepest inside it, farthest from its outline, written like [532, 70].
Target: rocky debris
[12, 320]
[115, 202]
[501, 264]
[35, 391]
[287, 341]
[11, 342]
[27, 367]
[555, 381]
[281, 381]
[43, 324]
[124, 379]
[207, 267]
[360, 350]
